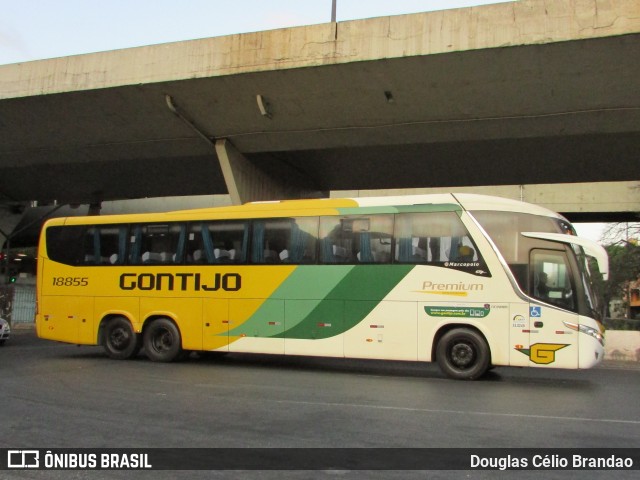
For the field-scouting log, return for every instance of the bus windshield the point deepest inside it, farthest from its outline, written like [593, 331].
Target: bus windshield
[547, 264]
[590, 276]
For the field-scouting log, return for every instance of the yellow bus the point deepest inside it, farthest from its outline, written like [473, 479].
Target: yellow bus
[469, 281]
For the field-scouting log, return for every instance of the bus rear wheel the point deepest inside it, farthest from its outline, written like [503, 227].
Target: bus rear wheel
[162, 341]
[120, 341]
[463, 354]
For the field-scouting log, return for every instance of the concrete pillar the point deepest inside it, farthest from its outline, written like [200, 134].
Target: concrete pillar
[246, 182]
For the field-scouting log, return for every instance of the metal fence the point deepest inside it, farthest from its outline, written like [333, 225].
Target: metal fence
[24, 304]
[18, 303]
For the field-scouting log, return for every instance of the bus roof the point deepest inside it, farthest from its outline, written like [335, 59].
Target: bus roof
[324, 206]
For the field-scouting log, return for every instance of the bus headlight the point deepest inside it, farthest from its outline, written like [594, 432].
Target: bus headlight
[592, 332]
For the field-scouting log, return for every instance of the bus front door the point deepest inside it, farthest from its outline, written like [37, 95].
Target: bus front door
[552, 343]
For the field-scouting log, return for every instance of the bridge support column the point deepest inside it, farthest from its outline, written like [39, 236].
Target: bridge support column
[246, 182]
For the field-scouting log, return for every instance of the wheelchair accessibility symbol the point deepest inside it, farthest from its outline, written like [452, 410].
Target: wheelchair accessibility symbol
[535, 312]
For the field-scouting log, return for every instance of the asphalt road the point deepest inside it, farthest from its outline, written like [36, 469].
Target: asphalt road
[63, 396]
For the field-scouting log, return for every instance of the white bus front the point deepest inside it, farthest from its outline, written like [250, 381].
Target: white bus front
[558, 323]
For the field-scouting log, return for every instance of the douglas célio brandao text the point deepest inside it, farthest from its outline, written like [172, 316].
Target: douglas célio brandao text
[551, 461]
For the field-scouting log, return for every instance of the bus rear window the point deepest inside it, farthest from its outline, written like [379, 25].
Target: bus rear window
[66, 244]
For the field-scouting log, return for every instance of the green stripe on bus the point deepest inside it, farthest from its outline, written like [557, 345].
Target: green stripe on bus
[324, 301]
[347, 304]
[304, 289]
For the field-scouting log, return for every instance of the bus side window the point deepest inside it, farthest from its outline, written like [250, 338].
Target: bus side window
[112, 244]
[372, 239]
[271, 241]
[284, 240]
[356, 239]
[177, 238]
[433, 238]
[336, 240]
[301, 245]
[226, 241]
[104, 245]
[217, 242]
[195, 249]
[135, 245]
[91, 247]
[157, 244]
[65, 244]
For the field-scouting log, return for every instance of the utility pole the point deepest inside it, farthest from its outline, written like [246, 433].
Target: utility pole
[333, 11]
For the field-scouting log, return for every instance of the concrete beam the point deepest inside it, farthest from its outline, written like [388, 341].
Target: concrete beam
[525, 22]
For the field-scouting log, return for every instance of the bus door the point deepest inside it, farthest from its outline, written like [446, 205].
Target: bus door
[551, 342]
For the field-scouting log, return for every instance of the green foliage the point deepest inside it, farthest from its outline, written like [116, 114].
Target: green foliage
[624, 266]
[621, 324]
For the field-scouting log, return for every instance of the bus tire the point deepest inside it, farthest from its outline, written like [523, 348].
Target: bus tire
[162, 341]
[120, 341]
[463, 354]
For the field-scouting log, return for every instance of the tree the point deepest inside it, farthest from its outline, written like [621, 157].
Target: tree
[621, 233]
[624, 258]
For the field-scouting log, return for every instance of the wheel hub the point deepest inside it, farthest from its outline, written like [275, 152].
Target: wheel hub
[462, 355]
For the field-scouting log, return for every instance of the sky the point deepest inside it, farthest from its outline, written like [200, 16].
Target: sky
[38, 29]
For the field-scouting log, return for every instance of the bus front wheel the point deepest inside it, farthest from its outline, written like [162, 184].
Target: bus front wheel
[463, 354]
[120, 341]
[162, 342]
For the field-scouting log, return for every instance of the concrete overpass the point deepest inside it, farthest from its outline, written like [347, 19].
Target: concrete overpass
[537, 100]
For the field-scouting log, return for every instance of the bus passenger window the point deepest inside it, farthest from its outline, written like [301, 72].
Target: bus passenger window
[104, 245]
[217, 242]
[65, 244]
[112, 244]
[433, 238]
[91, 247]
[284, 240]
[195, 251]
[157, 244]
[356, 239]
